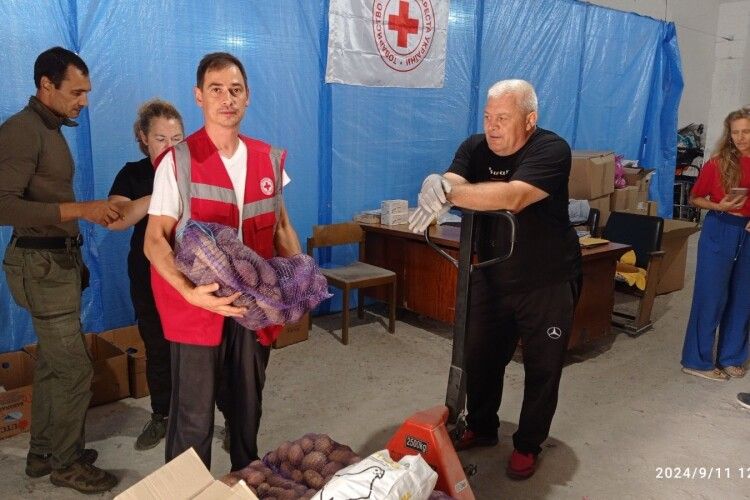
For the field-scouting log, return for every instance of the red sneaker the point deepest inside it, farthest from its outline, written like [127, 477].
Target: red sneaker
[470, 439]
[521, 465]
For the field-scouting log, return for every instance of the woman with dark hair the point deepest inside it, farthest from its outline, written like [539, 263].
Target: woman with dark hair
[722, 274]
[158, 127]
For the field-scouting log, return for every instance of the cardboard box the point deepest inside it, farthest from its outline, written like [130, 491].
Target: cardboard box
[129, 340]
[674, 244]
[394, 218]
[623, 198]
[293, 332]
[592, 175]
[644, 208]
[602, 203]
[639, 177]
[16, 376]
[394, 212]
[185, 477]
[110, 381]
[394, 206]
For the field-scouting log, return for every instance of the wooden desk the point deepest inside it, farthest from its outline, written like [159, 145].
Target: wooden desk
[427, 281]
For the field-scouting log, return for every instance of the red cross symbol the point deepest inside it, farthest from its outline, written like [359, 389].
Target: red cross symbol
[403, 24]
[266, 186]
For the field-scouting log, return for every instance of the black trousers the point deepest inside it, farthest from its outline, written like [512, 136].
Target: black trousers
[542, 319]
[158, 374]
[238, 366]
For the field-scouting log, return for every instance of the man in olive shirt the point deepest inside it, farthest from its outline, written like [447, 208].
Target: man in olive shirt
[44, 269]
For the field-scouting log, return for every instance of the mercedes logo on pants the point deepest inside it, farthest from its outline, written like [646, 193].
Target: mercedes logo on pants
[554, 332]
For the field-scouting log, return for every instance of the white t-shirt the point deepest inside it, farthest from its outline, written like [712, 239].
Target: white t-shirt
[165, 199]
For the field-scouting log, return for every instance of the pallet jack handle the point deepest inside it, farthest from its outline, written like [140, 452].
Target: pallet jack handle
[455, 398]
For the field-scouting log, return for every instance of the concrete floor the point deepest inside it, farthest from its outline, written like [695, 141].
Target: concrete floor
[625, 412]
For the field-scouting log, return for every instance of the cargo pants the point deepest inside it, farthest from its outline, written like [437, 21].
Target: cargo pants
[47, 283]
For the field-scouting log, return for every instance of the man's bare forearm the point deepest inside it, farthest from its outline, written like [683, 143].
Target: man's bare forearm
[159, 252]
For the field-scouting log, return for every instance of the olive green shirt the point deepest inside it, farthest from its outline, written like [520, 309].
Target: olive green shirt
[36, 172]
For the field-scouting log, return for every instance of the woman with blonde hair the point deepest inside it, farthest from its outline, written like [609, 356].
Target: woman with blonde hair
[722, 274]
[157, 128]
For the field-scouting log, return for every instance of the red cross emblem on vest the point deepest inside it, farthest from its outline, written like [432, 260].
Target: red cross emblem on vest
[266, 186]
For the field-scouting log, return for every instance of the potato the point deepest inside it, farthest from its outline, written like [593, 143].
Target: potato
[314, 460]
[271, 458]
[283, 450]
[324, 444]
[263, 489]
[278, 481]
[296, 454]
[307, 444]
[339, 455]
[296, 475]
[282, 493]
[254, 477]
[232, 478]
[314, 479]
[331, 468]
[285, 468]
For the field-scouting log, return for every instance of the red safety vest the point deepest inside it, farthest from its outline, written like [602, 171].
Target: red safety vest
[208, 196]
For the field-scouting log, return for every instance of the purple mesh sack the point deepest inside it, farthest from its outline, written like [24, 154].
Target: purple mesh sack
[275, 291]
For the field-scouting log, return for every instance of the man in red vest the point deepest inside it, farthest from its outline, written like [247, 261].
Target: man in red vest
[216, 175]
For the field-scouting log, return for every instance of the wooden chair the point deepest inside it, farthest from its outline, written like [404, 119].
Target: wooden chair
[643, 233]
[355, 276]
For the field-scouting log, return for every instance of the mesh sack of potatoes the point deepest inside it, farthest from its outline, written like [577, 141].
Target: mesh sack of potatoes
[267, 484]
[309, 461]
[275, 291]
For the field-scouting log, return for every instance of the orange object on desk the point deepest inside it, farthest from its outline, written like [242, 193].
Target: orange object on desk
[424, 433]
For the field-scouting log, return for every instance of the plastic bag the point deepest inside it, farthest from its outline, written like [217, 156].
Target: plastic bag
[620, 181]
[378, 476]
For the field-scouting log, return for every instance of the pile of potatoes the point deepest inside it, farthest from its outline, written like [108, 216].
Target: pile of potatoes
[297, 469]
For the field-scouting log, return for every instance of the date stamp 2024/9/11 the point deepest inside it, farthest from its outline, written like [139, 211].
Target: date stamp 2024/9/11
[702, 472]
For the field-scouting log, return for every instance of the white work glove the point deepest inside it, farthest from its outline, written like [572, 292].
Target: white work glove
[433, 202]
[420, 219]
[433, 194]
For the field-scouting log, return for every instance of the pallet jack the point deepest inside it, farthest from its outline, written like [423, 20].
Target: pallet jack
[455, 397]
[426, 432]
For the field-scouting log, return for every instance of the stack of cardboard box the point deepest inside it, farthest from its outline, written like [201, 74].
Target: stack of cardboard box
[634, 197]
[592, 178]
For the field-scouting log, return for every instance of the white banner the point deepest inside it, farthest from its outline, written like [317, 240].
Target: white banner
[387, 43]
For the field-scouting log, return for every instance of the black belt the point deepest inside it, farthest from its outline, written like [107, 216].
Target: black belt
[47, 242]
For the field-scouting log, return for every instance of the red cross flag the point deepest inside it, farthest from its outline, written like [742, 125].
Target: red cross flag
[387, 43]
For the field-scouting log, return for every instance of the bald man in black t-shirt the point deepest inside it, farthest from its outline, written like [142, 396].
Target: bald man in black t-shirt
[519, 167]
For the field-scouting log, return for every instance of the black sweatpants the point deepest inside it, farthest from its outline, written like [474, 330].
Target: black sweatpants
[158, 374]
[198, 372]
[542, 319]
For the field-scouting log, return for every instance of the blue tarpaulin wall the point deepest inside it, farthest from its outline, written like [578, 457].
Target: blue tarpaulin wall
[606, 80]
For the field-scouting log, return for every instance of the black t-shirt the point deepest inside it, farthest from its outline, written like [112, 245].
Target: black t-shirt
[547, 249]
[136, 180]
